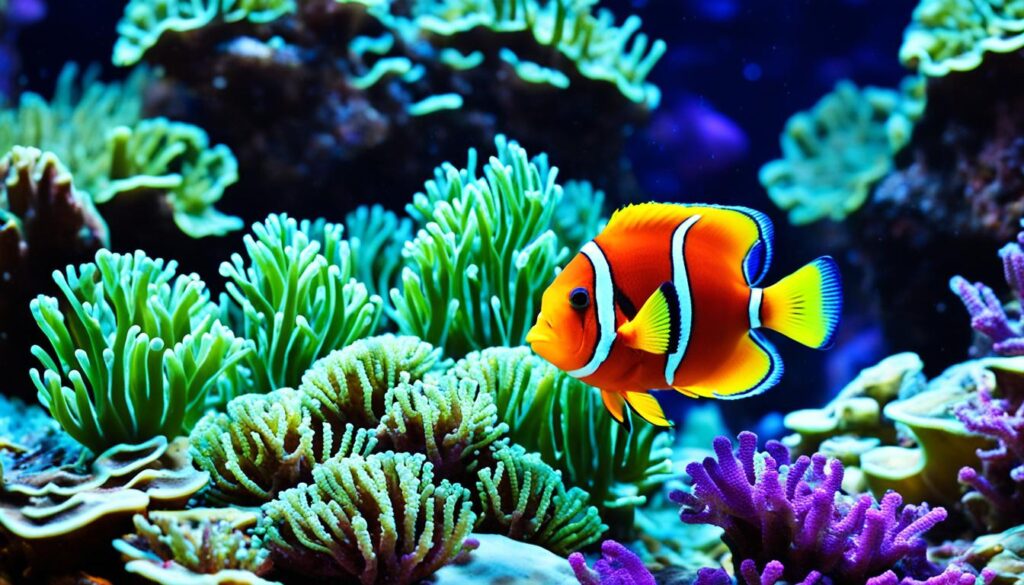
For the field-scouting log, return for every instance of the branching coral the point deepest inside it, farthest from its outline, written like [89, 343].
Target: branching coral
[789, 519]
[351, 385]
[97, 130]
[617, 566]
[1001, 325]
[379, 519]
[42, 513]
[475, 272]
[524, 498]
[451, 421]
[296, 298]
[833, 153]
[953, 35]
[557, 416]
[996, 499]
[266, 443]
[135, 351]
[176, 546]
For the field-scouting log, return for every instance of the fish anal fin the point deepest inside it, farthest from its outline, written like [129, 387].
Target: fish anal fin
[616, 405]
[753, 367]
[655, 329]
[648, 408]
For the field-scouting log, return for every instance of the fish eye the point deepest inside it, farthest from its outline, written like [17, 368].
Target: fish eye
[579, 298]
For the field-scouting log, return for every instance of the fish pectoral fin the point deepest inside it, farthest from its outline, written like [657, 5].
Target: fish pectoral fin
[648, 408]
[655, 329]
[616, 406]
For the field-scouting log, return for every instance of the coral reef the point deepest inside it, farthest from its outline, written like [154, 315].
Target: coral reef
[379, 519]
[318, 93]
[789, 519]
[834, 153]
[945, 36]
[617, 566]
[176, 546]
[295, 298]
[563, 420]
[135, 353]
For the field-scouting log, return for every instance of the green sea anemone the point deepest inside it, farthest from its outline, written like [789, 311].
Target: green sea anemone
[295, 297]
[475, 272]
[378, 519]
[524, 498]
[376, 237]
[135, 350]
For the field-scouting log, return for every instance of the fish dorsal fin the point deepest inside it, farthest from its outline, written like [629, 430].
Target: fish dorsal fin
[741, 234]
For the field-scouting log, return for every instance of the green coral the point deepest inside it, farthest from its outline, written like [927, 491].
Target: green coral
[295, 297]
[590, 40]
[97, 130]
[378, 519]
[475, 272]
[376, 237]
[563, 419]
[580, 215]
[452, 422]
[945, 36]
[351, 385]
[145, 21]
[135, 351]
[834, 153]
[181, 546]
[524, 498]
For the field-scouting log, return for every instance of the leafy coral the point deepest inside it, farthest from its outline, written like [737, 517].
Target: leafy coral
[474, 273]
[295, 297]
[135, 351]
[524, 498]
[789, 519]
[378, 519]
[563, 420]
[833, 153]
[946, 36]
[176, 546]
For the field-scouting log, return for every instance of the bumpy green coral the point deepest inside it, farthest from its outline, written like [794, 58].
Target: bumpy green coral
[135, 351]
[599, 49]
[296, 298]
[524, 498]
[834, 153]
[379, 519]
[197, 546]
[953, 35]
[351, 385]
[563, 419]
[145, 21]
[451, 421]
[97, 130]
[476, 270]
[376, 237]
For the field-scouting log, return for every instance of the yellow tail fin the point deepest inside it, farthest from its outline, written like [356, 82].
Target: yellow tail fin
[805, 306]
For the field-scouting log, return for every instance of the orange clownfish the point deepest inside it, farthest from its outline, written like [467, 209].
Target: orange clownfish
[667, 297]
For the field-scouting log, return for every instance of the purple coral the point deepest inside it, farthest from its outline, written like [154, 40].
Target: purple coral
[789, 520]
[988, 316]
[617, 566]
[1000, 480]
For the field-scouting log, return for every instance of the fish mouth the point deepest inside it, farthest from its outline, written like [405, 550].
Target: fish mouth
[541, 332]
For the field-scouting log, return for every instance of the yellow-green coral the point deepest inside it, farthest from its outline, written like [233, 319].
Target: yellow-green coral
[834, 153]
[450, 421]
[351, 385]
[376, 237]
[136, 350]
[295, 297]
[378, 519]
[945, 36]
[200, 546]
[563, 420]
[145, 21]
[524, 498]
[98, 132]
[599, 49]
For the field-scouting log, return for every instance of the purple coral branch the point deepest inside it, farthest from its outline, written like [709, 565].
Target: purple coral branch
[791, 521]
[617, 566]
